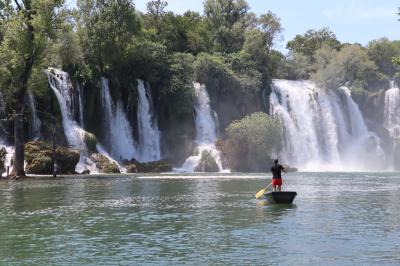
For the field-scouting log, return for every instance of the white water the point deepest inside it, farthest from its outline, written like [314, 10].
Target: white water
[149, 135]
[392, 111]
[80, 91]
[206, 132]
[10, 150]
[323, 130]
[36, 123]
[61, 85]
[119, 140]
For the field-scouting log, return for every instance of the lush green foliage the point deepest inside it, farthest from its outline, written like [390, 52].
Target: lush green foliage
[251, 142]
[312, 40]
[351, 64]
[26, 29]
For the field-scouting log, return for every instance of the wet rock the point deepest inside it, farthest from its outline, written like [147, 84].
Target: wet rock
[90, 142]
[290, 169]
[207, 163]
[38, 156]
[104, 164]
[3, 154]
[154, 167]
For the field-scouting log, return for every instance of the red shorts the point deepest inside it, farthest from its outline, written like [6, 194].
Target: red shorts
[277, 181]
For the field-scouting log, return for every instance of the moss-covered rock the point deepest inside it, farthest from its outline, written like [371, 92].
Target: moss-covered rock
[3, 154]
[38, 156]
[207, 163]
[131, 165]
[103, 164]
[90, 142]
[154, 167]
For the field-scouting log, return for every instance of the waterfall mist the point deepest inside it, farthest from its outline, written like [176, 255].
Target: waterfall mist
[323, 130]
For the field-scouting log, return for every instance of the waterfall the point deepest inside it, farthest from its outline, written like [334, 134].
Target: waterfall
[392, 111]
[9, 157]
[149, 136]
[117, 130]
[36, 123]
[323, 130]
[206, 131]
[61, 85]
[80, 91]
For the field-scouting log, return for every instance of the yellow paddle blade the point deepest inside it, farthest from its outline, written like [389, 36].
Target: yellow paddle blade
[261, 193]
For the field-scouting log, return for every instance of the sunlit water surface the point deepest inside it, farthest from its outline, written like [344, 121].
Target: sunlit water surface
[337, 219]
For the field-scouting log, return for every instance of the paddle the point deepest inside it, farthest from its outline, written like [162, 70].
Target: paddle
[260, 193]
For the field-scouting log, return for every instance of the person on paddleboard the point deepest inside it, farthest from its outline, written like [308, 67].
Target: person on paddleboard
[276, 170]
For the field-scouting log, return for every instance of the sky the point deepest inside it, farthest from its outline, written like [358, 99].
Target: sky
[353, 21]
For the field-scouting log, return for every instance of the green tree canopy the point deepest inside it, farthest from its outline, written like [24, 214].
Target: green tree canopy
[382, 51]
[106, 28]
[313, 40]
[351, 64]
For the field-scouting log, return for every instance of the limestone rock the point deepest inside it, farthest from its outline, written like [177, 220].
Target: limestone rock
[38, 158]
[3, 154]
[207, 163]
[104, 164]
[154, 167]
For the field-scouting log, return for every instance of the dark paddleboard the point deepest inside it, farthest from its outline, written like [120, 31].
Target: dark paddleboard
[281, 197]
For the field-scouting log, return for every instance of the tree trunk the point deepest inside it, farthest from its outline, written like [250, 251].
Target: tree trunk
[19, 146]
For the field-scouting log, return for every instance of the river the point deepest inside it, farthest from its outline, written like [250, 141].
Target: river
[336, 219]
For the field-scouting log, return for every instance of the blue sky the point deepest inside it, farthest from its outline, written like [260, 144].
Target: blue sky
[351, 20]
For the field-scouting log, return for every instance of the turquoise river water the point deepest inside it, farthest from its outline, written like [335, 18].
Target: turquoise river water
[336, 219]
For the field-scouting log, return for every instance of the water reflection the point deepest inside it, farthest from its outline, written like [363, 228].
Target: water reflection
[200, 221]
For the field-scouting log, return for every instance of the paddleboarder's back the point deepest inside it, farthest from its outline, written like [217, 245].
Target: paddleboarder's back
[276, 170]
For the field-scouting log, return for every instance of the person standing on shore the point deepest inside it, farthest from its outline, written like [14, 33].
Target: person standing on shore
[276, 170]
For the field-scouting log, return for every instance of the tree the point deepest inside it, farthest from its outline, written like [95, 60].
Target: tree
[106, 28]
[313, 40]
[382, 51]
[227, 20]
[155, 14]
[350, 65]
[251, 142]
[27, 27]
[270, 25]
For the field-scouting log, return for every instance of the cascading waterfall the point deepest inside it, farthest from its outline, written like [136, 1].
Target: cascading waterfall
[149, 136]
[61, 85]
[119, 140]
[36, 123]
[323, 130]
[9, 156]
[392, 111]
[80, 91]
[9, 149]
[206, 132]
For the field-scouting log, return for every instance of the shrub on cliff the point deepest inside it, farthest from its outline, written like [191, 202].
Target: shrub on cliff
[250, 142]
